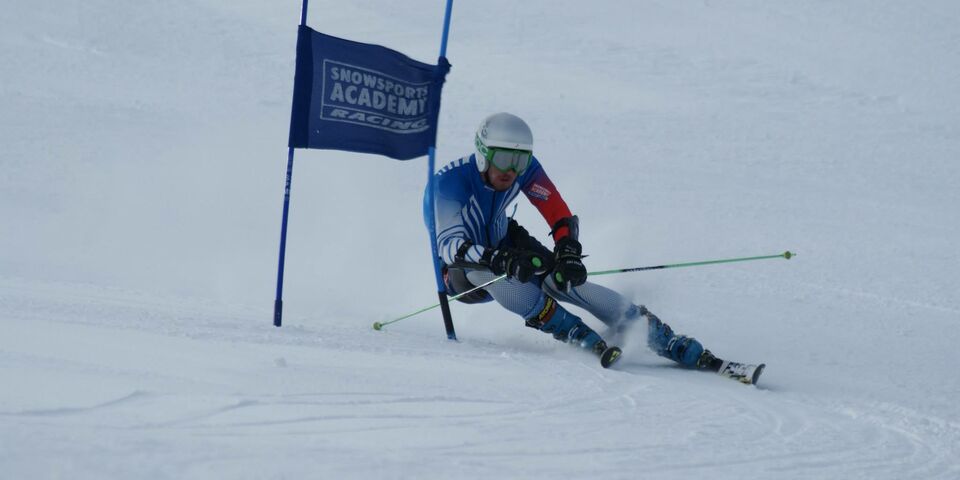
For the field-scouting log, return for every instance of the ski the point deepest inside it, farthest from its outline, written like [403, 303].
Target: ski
[745, 373]
[742, 372]
[609, 356]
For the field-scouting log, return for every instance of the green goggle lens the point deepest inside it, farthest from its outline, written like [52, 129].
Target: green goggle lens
[505, 159]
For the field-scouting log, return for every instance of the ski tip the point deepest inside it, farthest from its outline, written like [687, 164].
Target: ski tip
[610, 356]
[757, 372]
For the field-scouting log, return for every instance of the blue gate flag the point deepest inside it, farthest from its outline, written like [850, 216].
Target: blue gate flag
[363, 98]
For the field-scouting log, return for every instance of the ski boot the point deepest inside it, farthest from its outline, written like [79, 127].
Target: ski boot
[568, 328]
[687, 351]
[680, 348]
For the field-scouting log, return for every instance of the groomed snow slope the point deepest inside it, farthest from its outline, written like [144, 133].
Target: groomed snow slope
[141, 175]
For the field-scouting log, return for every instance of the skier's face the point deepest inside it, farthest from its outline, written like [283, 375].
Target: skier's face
[499, 179]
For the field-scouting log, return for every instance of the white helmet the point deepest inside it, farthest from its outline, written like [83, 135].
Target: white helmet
[503, 130]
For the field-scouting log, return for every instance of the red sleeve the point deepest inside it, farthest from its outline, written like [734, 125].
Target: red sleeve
[544, 195]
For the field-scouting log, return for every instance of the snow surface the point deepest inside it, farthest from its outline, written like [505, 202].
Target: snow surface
[141, 179]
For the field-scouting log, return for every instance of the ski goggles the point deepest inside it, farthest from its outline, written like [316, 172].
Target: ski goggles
[505, 159]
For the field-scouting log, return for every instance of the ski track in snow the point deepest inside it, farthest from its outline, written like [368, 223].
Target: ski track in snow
[643, 415]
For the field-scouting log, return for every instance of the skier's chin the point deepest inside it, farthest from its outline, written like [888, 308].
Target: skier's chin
[501, 181]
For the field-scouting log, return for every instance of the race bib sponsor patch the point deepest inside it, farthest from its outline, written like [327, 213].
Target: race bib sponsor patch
[538, 191]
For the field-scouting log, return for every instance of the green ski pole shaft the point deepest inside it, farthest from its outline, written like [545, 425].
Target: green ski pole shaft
[379, 325]
[786, 255]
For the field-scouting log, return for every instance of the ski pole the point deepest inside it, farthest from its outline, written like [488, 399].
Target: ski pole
[787, 255]
[379, 325]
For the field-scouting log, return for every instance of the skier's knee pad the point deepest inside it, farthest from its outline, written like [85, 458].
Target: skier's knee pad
[564, 326]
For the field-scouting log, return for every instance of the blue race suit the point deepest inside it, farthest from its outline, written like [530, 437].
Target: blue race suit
[471, 217]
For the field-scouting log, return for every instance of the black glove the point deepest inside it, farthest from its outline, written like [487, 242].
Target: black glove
[568, 271]
[520, 238]
[517, 263]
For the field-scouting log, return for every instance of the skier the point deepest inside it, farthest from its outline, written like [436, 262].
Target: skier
[478, 242]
